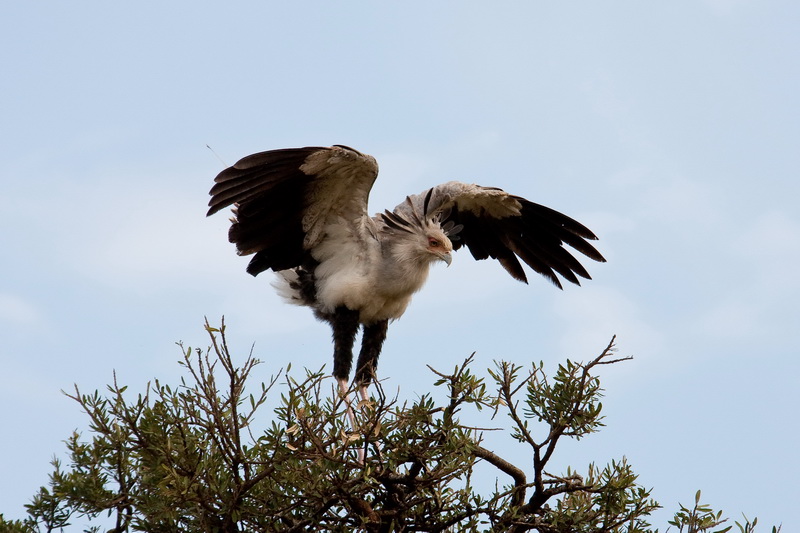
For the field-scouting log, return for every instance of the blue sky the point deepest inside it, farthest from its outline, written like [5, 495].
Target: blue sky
[669, 128]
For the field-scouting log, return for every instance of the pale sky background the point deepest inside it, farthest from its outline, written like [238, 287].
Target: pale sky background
[669, 128]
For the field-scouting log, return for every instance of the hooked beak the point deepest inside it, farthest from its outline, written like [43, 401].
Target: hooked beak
[446, 257]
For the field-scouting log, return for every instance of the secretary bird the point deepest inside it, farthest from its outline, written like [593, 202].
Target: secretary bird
[302, 212]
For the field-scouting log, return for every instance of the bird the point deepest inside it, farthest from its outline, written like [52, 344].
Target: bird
[303, 214]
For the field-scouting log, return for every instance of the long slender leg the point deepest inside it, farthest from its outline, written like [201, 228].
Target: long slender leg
[344, 391]
[344, 323]
[371, 344]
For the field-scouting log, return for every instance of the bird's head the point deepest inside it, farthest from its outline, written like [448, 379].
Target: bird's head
[417, 240]
[438, 244]
[425, 246]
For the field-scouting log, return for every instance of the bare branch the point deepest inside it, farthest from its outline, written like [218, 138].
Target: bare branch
[520, 482]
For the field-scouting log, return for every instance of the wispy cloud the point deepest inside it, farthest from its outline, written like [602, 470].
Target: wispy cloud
[771, 244]
[725, 7]
[594, 313]
[16, 310]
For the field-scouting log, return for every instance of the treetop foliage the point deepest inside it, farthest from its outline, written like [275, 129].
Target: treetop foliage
[189, 457]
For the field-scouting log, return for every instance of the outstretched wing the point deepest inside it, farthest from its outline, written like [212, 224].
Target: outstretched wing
[508, 228]
[284, 199]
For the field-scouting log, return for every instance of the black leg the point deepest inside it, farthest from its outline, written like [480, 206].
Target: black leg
[345, 325]
[371, 344]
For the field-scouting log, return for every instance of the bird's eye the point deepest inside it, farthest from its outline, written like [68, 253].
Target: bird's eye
[433, 243]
